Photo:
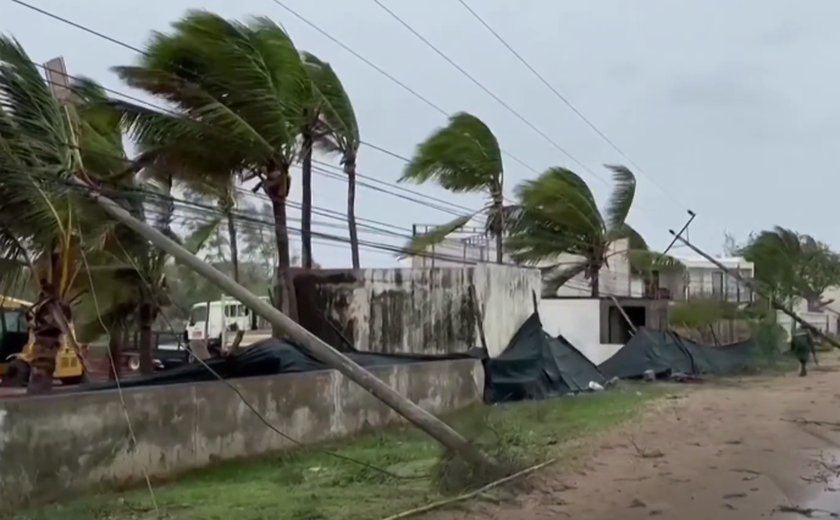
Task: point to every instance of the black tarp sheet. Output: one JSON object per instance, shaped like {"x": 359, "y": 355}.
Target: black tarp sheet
{"x": 537, "y": 366}
{"x": 667, "y": 353}
{"x": 265, "y": 358}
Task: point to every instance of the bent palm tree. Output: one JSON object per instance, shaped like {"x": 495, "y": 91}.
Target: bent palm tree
{"x": 239, "y": 92}
{"x": 557, "y": 215}
{"x": 464, "y": 156}
{"x": 44, "y": 224}
{"x": 339, "y": 133}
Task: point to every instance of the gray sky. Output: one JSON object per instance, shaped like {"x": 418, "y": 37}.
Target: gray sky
{"x": 729, "y": 106}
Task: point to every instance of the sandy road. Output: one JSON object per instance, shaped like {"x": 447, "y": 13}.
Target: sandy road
{"x": 747, "y": 449}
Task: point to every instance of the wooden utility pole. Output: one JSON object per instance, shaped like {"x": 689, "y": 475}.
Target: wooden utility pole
{"x": 424, "y": 420}
{"x": 755, "y": 289}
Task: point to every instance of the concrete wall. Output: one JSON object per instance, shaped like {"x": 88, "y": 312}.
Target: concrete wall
{"x": 425, "y": 311}
{"x": 54, "y": 446}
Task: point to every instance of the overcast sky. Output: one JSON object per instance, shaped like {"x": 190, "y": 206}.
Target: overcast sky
{"x": 730, "y": 107}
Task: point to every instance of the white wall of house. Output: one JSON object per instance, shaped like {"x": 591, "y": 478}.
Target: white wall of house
{"x": 825, "y": 320}
{"x": 579, "y": 321}
{"x": 614, "y": 278}
{"x": 703, "y": 279}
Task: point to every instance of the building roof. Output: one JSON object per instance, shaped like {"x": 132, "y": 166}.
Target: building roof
{"x": 732, "y": 262}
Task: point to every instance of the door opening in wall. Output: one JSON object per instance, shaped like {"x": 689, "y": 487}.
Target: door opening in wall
{"x": 619, "y": 331}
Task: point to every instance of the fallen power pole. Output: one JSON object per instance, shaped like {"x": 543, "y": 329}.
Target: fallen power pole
{"x": 773, "y": 302}
{"x": 424, "y": 420}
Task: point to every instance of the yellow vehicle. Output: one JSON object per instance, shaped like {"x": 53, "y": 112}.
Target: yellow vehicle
{"x": 16, "y": 342}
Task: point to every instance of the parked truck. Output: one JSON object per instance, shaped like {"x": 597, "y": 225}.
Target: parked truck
{"x": 219, "y": 323}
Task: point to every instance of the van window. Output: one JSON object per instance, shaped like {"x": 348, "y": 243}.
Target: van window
{"x": 14, "y": 321}
{"x": 230, "y": 311}
{"x": 198, "y": 314}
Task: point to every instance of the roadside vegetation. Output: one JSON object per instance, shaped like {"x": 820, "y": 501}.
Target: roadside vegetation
{"x": 310, "y": 484}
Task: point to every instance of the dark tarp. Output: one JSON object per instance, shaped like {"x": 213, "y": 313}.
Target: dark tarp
{"x": 536, "y": 366}
{"x": 668, "y": 353}
{"x": 264, "y": 358}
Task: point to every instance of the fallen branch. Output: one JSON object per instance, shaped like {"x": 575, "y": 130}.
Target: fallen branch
{"x": 806, "y": 511}
{"x": 471, "y": 494}
{"x": 655, "y": 454}
{"x": 815, "y": 423}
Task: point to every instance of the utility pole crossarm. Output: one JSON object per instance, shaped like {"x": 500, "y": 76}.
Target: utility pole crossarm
{"x": 755, "y": 289}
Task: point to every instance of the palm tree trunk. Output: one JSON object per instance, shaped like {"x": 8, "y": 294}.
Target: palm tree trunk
{"x": 595, "y": 280}
{"x": 350, "y": 171}
{"x": 46, "y": 337}
{"x": 499, "y": 222}
{"x": 306, "y": 203}
{"x": 147, "y": 317}
{"x": 234, "y": 247}
{"x": 115, "y": 347}
{"x": 277, "y": 189}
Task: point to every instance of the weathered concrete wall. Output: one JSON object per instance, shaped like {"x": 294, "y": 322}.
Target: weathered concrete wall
{"x": 54, "y": 446}
{"x": 425, "y": 311}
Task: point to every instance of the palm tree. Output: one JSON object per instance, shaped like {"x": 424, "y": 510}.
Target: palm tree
{"x": 557, "y": 215}
{"x": 793, "y": 265}
{"x": 464, "y": 156}
{"x": 45, "y": 223}
{"x": 131, "y": 273}
{"x": 339, "y": 133}
{"x": 239, "y": 91}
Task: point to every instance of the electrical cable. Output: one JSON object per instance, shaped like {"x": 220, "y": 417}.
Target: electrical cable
{"x": 488, "y": 91}
{"x": 566, "y": 101}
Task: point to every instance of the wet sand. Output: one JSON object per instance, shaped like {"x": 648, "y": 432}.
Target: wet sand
{"x": 748, "y": 449}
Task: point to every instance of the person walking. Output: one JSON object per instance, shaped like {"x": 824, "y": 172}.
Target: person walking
{"x": 802, "y": 346}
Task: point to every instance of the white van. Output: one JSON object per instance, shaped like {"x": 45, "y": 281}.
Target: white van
{"x": 218, "y": 321}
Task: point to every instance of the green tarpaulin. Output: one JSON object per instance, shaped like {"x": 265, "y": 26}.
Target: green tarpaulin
{"x": 667, "y": 353}
{"x": 537, "y": 366}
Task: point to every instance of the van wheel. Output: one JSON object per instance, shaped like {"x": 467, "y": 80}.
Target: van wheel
{"x": 17, "y": 374}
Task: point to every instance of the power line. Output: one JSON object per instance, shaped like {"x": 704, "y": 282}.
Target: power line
{"x": 487, "y": 90}
{"x": 96, "y": 33}
{"x": 565, "y": 100}
{"x": 171, "y": 112}
{"x": 390, "y": 77}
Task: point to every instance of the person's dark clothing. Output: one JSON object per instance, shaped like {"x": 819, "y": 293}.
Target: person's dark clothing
{"x": 802, "y": 346}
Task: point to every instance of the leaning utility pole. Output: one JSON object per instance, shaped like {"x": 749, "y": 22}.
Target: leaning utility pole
{"x": 424, "y": 420}
{"x": 773, "y": 302}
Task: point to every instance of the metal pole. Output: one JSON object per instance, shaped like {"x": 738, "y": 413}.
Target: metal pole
{"x": 773, "y": 302}
{"x": 684, "y": 229}
{"x": 424, "y": 420}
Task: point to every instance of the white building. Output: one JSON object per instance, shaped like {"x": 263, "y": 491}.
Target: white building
{"x": 703, "y": 279}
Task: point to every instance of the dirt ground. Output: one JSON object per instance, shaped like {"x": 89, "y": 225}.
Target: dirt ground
{"x": 747, "y": 449}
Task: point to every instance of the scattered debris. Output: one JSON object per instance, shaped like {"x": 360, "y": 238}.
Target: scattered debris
{"x": 636, "y": 503}
{"x": 646, "y": 454}
{"x": 751, "y": 474}
{"x": 649, "y": 376}
{"x": 807, "y": 512}
{"x": 679, "y": 377}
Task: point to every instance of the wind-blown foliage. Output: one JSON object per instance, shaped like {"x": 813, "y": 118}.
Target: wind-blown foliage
{"x": 557, "y": 215}
{"x": 464, "y": 156}
{"x": 338, "y": 132}
{"x": 45, "y": 222}
{"x": 792, "y": 265}
{"x": 239, "y": 92}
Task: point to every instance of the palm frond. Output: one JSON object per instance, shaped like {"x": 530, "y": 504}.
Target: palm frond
{"x": 337, "y": 113}
{"x": 622, "y": 196}
{"x": 463, "y": 156}
{"x": 558, "y": 275}
{"x": 421, "y": 243}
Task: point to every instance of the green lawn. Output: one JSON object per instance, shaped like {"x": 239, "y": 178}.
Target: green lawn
{"x": 310, "y": 484}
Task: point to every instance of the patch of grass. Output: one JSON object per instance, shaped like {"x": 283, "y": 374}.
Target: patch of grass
{"x": 312, "y": 485}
